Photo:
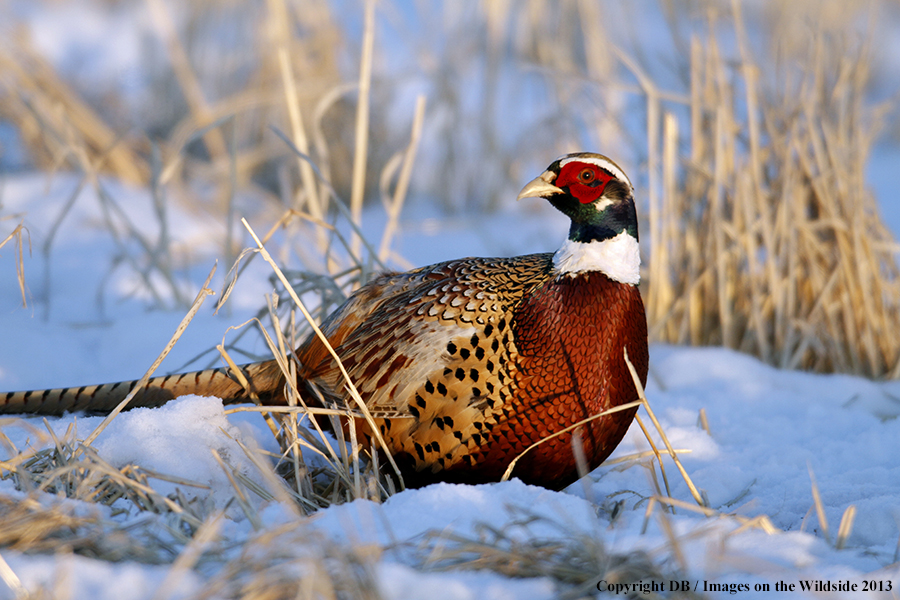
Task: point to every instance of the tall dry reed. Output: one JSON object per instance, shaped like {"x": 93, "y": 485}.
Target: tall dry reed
{"x": 765, "y": 237}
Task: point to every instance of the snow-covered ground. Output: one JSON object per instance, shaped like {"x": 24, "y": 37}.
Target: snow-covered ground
{"x": 768, "y": 430}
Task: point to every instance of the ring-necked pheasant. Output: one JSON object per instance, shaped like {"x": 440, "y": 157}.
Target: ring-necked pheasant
{"x": 465, "y": 364}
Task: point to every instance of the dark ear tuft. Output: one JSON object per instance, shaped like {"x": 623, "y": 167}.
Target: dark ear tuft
{"x": 617, "y": 190}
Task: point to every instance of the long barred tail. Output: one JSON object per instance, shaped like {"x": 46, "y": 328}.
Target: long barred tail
{"x": 265, "y": 380}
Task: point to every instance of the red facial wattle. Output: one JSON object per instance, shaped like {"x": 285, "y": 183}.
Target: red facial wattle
{"x": 584, "y": 181}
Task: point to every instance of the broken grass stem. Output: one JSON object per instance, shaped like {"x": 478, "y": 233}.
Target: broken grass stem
{"x": 662, "y": 434}
{"x": 615, "y": 409}
{"x": 351, "y": 388}
{"x": 198, "y": 301}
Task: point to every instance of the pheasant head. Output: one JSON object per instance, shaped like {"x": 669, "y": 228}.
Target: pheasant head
{"x": 598, "y": 198}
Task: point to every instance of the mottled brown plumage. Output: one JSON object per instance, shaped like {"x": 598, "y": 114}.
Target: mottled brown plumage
{"x": 477, "y": 359}
{"x": 465, "y": 364}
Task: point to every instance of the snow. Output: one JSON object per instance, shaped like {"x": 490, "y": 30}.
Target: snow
{"x": 147, "y": 438}
{"x": 768, "y": 429}
{"x": 399, "y": 581}
{"x": 74, "y": 576}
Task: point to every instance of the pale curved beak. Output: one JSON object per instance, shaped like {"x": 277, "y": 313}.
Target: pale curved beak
{"x": 540, "y": 187}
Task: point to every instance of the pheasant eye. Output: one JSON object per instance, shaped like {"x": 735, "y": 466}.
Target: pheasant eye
{"x": 586, "y": 176}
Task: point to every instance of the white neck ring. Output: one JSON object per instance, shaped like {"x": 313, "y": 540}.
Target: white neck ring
{"x": 619, "y": 258}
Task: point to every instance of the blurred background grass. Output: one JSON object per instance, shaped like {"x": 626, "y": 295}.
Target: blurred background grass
{"x": 746, "y": 127}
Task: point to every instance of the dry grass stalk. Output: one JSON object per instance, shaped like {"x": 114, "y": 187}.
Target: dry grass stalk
{"x": 574, "y": 426}
{"x": 60, "y": 129}
{"x": 76, "y": 471}
{"x": 759, "y": 522}
{"x": 189, "y": 556}
{"x": 198, "y": 302}
{"x": 279, "y": 18}
{"x": 662, "y": 434}
{"x": 847, "y": 519}
{"x": 846, "y": 527}
{"x": 12, "y": 580}
{"x": 42, "y": 523}
{"x": 351, "y": 388}
{"x": 17, "y": 234}
{"x": 655, "y": 451}
{"x": 187, "y": 78}
{"x": 394, "y": 205}
{"x": 361, "y": 137}
{"x": 338, "y": 480}
{"x": 294, "y": 562}
{"x": 574, "y": 560}
{"x": 770, "y": 242}
{"x": 41, "y": 526}
{"x": 54, "y": 122}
